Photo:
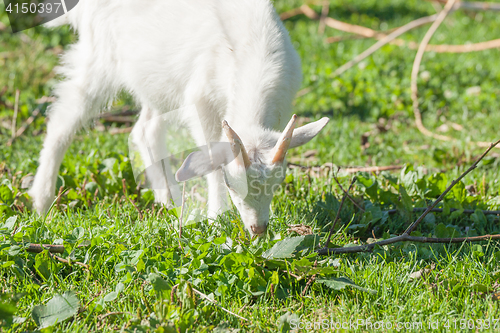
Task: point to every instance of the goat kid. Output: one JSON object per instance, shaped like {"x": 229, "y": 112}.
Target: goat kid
{"x": 232, "y": 60}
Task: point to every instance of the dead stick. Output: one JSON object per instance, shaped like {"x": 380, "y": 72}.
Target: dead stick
{"x": 290, "y": 13}
{"x": 65, "y": 261}
{"x": 217, "y": 304}
{"x": 324, "y": 16}
{"x": 440, "y": 210}
{"x": 416, "y": 66}
{"x": 38, "y": 248}
{"x": 407, "y": 27}
{"x": 404, "y": 238}
{"x": 311, "y": 280}
{"x": 346, "y": 193}
{"x": 104, "y": 316}
{"x": 339, "y": 25}
{"x": 453, "y": 183}
{"x": 130, "y": 200}
{"x": 474, "y": 5}
{"x": 414, "y": 75}
{"x": 59, "y": 195}
{"x": 23, "y": 128}
{"x": 182, "y": 211}
{"x": 338, "y": 212}
{"x": 438, "y": 48}
{"x": 492, "y": 44}
{"x": 14, "y": 118}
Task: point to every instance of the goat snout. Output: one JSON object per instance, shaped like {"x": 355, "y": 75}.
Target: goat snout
{"x": 258, "y": 229}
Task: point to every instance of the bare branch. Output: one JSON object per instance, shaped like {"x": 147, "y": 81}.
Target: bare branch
{"x": 182, "y": 211}
{"x": 416, "y": 66}
{"x": 473, "y": 5}
{"x": 65, "y": 261}
{"x": 217, "y": 304}
{"x": 291, "y": 13}
{"x": 403, "y": 238}
{"x": 339, "y": 25}
{"x": 347, "y": 194}
{"x": 124, "y": 184}
{"x": 453, "y": 183}
{"x": 37, "y": 248}
{"x": 393, "y": 35}
{"x": 440, "y": 210}
{"x": 338, "y": 212}
{"x": 324, "y": 16}
{"x": 14, "y": 117}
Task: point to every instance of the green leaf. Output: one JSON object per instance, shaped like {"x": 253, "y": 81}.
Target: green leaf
{"x": 58, "y": 309}
{"x": 220, "y": 240}
{"x": 370, "y": 186}
{"x": 442, "y": 231}
{"x": 286, "y": 247}
{"x": 10, "y": 223}
{"x": 478, "y": 287}
{"x": 459, "y": 192}
{"x": 342, "y": 282}
{"x": 111, "y": 296}
{"x": 159, "y": 284}
{"x": 6, "y": 195}
{"x": 78, "y": 232}
{"x": 405, "y": 199}
{"x": 44, "y": 265}
{"x": 477, "y": 250}
{"x": 7, "y": 310}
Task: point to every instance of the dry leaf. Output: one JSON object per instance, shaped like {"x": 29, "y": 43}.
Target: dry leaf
{"x": 301, "y": 229}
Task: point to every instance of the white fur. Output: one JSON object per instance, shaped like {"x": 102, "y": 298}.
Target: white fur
{"x": 233, "y": 60}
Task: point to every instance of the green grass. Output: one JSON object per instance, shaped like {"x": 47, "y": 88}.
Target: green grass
{"x": 134, "y": 263}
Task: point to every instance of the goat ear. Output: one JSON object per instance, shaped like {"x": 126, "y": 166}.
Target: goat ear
{"x": 304, "y": 134}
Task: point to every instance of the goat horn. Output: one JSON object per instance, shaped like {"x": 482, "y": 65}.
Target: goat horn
{"x": 236, "y": 144}
{"x": 281, "y": 147}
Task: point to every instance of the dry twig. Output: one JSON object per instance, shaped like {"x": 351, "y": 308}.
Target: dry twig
{"x": 453, "y": 183}
{"x": 23, "y": 128}
{"x": 324, "y": 16}
{"x": 473, "y": 5}
{"x": 405, "y": 237}
{"x": 65, "y": 261}
{"x": 14, "y": 117}
{"x": 290, "y": 13}
{"x": 217, "y": 304}
{"x": 347, "y": 194}
{"x": 393, "y": 35}
{"x": 414, "y": 75}
{"x": 440, "y": 210}
{"x": 182, "y": 211}
{"x": 124, "y": 184}
{"x": 338, "y": 211}
{"x": 416, "y": 66}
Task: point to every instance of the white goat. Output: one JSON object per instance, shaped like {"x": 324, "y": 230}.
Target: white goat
{"x": 232, "y": 59}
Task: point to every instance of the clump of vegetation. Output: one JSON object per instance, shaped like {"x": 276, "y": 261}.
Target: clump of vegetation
{"x": 119, "y": 262}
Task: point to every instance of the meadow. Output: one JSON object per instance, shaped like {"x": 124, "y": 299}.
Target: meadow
{"x": 125, "y": 267}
